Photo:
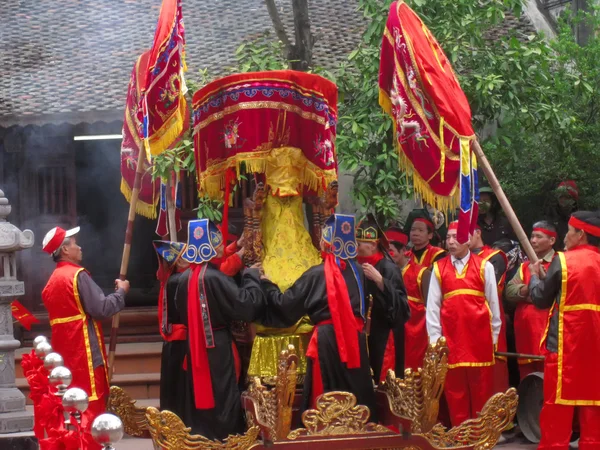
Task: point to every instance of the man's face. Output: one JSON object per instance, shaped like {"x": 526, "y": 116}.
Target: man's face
{"x": 366, "y": 248}
{"x": 182, "y": 264}
{"x": 398, "y": 254}
{"x": 485, "y": 203}
{"x": 220, "y": 251}
{"x": 566, "y": 203}
{"x": 541, "y": 242}
{"x": 72, "y": 251}
{"x": 475, "y": 241}
{"x": 456, "y": 249}
{"x": 573, "y": 238}
{"x": 420, "y": 235}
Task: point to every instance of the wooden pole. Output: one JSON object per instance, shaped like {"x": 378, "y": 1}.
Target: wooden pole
{"x": 520, "y": 355}
{"x": 172, "y": 223}
{"x": 112, "y": 347}
{"x": 508, "y": 210}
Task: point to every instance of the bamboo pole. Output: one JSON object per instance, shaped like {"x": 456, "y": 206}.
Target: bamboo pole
{"x": 520, "y": 355}
{"x": 171, "y": 222}
{"x": 508, "y": 210}
{"x": 112, "y": 346}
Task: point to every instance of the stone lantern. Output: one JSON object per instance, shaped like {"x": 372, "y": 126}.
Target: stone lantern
{"x": 13, "y": 416}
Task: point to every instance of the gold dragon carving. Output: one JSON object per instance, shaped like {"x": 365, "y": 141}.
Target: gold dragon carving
{"x": 416, "y": 397}
{"x": 133, "y": 417}
{"x": 337, "y": 414}
{"x": 170, "y": 433}
{"x": 483, "y": 432}
{"x": 272, "y": 408}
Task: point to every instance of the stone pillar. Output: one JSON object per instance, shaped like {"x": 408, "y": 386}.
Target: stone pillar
{"x": 13, "y": 416}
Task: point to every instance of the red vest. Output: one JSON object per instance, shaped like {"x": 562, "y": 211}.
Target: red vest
{"x": 69, "y": 324}
{"x": 465, "y": 315}
{"x": 487, "y": 253}
{"x": 427, "y": 257}
{"x": 578, "y": 325}
{"x": 530, "y": 322}
{"x": 415, "y": 330}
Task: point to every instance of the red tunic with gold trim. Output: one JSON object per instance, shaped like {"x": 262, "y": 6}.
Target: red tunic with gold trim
{"x": 578, "y": 324}
{"x": 465, "y": 314}
{"x": 530, "y": 322}
{"x": 428, "y": 256}
{"x": 415, "y": 330}
{"x": 70, "y": 328}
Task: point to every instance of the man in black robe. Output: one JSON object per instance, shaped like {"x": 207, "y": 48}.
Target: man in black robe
{"x": 173, "y": 331}
{"x": 209, "y": 301}
{"x": 390, "y": 309}
{"x": 332, "y": 295}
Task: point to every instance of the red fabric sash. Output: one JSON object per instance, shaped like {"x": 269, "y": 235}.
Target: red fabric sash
{"x": 203, "y": 392}
{"x": 341, "y": 313}
{"x": 373, "y": 259}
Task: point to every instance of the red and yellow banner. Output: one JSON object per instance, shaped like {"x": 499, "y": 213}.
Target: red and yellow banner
{"x": 163, "y": 106}
{"x": 281, "y": 124}
{"x": 132, "y": 145}
{"x": 431, "y": 114}
{"x": 23, "y": 315}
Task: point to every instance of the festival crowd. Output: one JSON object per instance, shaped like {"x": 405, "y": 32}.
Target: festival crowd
{"x": 377, "y": 300}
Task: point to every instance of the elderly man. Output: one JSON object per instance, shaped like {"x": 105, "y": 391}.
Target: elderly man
{"x": 462, "y": 293}
{"x": 571, "y": 344}
{"x": 76, "y": 305}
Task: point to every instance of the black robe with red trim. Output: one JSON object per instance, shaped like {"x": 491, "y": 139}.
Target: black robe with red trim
{"x": 390, "y": 312}
{"x": 308, "y": 296}
{"x": 227, "y": 303}
{"x": 172, "y": 375}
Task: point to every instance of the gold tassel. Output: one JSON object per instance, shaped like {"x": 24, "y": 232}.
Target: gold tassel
{"x": 141, "y": 208}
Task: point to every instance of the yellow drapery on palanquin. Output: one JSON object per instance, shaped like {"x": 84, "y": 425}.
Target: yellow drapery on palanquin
{"x": 288, "y": 253}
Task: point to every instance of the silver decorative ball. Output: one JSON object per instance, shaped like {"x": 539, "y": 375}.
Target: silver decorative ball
{"x": 43, "y": 349}
{"x": 107, "y": 429}
{"x": 53, "y": 360}
{"x": 60, "y": 377}
{"x": 39, "y": 339}
{"x": 75, "y": 400}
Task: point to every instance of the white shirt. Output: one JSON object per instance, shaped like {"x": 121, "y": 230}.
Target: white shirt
{"x": 434, "y": 300}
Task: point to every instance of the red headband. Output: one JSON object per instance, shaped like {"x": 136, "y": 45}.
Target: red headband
{"x": 587, "y": 227}
{"x": 453, "y": 226}
{"x": 397, "y": 236}
{"x": 546, "y": 232}
{"x": 429, "y": 223}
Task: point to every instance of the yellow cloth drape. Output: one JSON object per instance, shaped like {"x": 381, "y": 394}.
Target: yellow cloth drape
{"x": 288, "y": 253}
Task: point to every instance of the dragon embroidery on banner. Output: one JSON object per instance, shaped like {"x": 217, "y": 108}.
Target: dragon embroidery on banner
{"x": 404, "y": 125}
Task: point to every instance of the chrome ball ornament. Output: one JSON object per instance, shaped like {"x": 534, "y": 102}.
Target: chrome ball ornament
{"x": 75, "y": 400}
{"x": 107, "y": 429}
{"x": 43, "y": 349}
{"x": 53, "y": 360}
{"x": 38, "y": 340}
{"x": 60, "y": 377}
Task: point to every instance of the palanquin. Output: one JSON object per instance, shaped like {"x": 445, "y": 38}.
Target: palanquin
{"x": 407, "y": 407}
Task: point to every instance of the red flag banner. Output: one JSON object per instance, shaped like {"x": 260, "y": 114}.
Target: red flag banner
{"x": 280, "y": 123}
{"x": 163, "y": 93}
{"x": 419, "y": 90}
{"x": 23, "y": 315}
{"x": 132, "y": 145}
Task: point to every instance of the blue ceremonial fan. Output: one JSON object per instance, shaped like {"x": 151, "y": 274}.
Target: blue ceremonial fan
{"x": 203, "y": 240}
{"x": 169, "y": 251}
{"x": 339, "y": 232}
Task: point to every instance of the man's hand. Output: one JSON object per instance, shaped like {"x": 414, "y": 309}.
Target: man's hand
{"x": 535, "y": 269}
{"x": 122, "y": 284}
{"x": 240, "y": 241}
{"x": 373, "y": 274}
{"x": 241, "y": 252}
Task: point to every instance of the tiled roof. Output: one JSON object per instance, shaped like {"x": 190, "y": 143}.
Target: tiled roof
{"x": 73, "y": 57}
{"x": 70, "y": 60}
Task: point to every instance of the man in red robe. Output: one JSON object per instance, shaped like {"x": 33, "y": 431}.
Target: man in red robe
{"x": 416, "y": 282}
{"x": 421, "y": 234}
{"x": 461, "y": 302}
{"x": 76, "y": 306}
{"x": 571, "y": 344}
{"x": 530, "y": 322}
